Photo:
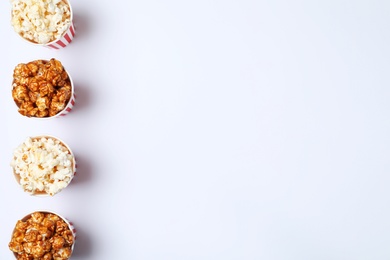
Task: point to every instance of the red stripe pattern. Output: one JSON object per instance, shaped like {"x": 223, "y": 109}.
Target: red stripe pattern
{"x": 64, "y": 40}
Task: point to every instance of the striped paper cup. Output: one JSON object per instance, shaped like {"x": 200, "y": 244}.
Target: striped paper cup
{"x": 62, "y": 41}
{"x": 43, "y": 234}
{"x": 67, "y": 108}
{"x": 46, "y": 185}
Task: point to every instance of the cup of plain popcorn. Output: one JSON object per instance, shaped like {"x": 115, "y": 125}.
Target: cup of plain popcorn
{"x": 43, "y": 89}
{"x": 43, "y": 165}
{"x": 43, "y": 235}
{"x": 48, "y": 23}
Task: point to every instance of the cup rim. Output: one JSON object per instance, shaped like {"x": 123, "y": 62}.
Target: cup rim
{"x": 59, "y": 37}
{"x": 68, "y": 223}
{"x": 67, "y": 104}
{"x": 43, "y": 193}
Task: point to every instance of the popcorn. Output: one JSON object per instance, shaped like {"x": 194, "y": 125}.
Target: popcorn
{"x": 41, "y": 21}
{"x": 41, "y": 88}
{"x": 43, "y": 165}
{"x": 42, "y": 235}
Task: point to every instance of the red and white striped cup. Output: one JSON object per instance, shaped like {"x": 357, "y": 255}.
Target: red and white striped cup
{"x": 65, "y": 39}
{"x": 74, "y": 167}
{"x": 45, "y": 212}
{"x": 68, "y": 107}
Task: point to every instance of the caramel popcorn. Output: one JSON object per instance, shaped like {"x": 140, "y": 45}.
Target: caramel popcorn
{"x": 42, "y": 235}
{"x": 43, "y": 165}
{"x": 41, "y": 21}
{"x": 41, "y": 88}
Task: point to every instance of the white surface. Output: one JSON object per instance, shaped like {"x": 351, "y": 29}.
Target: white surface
{"x": 217, "y": 130}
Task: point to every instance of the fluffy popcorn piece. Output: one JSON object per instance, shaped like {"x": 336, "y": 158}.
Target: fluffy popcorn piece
{"x": 43, "y": 165}
{"x": 40, "y": 21}
{"x": 35, "y": 243}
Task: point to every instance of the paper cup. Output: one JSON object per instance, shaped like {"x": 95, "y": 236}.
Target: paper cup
{"x": 51, "y": 234}
{"x": 68, "y": 107}
{"x": 63, "y": 40}
{"x": 20, "y": 164}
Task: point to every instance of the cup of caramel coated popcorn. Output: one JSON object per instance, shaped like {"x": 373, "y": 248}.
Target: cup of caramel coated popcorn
{"x": 42, "y": 89}
{"x": 47, "y": 23}
{"x": 43, "y": 235}
{"x": 43, "y": 165}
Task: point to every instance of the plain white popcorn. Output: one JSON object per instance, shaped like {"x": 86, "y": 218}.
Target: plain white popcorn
{"x": 43, "y": 164}
{"x": 41, "y": 21}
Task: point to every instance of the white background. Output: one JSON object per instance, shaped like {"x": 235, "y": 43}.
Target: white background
{"x": 216, "y": 129}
